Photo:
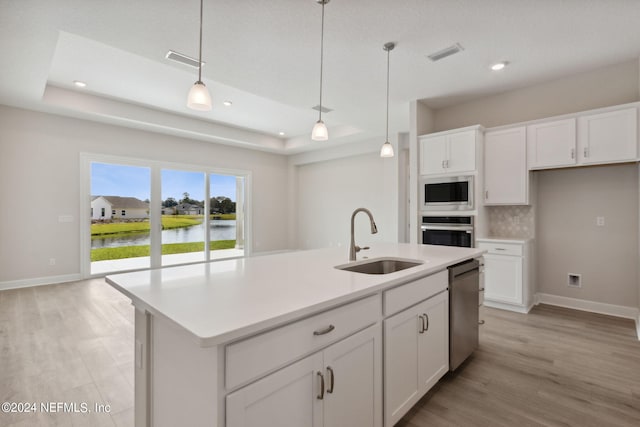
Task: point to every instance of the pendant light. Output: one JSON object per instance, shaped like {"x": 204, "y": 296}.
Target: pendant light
{"x": 387, "y": 148}
{"x": 199, "y": 98}
{"x": 320, "y": 132}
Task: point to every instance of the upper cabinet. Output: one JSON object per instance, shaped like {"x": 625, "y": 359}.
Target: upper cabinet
{"x": 551, "y": 144}
{"x": 608, "y": 137}
{"x": 506, "y": 177}
{"x": 589, "y": 139}
{"x": 448, "y": 152}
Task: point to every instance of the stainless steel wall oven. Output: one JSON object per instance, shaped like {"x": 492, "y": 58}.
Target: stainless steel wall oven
{"x": 448, "y": 231}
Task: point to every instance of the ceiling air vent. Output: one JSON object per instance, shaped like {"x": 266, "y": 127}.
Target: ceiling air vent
{"x": 324, "y": 109}
{"x": 441, "y": 54}
{"x": 183, "y": 59}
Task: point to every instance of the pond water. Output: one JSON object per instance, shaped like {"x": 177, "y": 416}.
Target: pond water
{"x": 220, "y": 230}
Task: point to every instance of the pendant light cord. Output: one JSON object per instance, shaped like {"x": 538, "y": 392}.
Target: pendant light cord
{"x": 321, "y": 57}
{"x": 388, "y": 52}
{"x": 200, "y": 54}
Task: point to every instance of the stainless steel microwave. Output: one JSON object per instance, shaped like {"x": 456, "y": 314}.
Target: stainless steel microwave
{"x": 453, "y": 193}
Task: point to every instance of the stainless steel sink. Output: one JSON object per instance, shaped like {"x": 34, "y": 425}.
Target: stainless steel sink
{"x": 380, "y": 265}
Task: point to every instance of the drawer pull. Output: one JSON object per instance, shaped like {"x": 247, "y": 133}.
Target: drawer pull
{"x": 321, "y": 394}
{"x": 324, "y": 331}
{"x": 500, "y": 249}
{"x": 330, "y": 390}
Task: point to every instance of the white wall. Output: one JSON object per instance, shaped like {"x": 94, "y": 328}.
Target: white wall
{"x": 568, "y": 240}
{"x": 39, "y": 180}
{"x": 330, "y": 190}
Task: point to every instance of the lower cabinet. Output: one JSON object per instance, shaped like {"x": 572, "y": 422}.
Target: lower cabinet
{"x": 416, "y": 354}
{"x": 338, "y": 386}
{"x": 507, "y": 274}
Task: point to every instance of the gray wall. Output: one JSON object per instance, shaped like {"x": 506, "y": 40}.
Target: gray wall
{"x": 569, "y": 200}
{"x": 569, "y": 241}
{"x": 40, "y": 180}
{"x": 617, "y": 84}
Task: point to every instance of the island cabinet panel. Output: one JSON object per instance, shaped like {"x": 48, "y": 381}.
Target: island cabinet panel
{"x": 340, "y": 386}
{"x": 256, "y": 356}
{"x": 401, "y": 297}
{"x": 416, "y": 354}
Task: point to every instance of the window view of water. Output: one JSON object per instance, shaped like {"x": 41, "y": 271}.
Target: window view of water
{"x": 220, "y": 230}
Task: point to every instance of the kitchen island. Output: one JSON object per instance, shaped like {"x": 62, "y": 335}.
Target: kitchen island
{"x": 242, "y": 342}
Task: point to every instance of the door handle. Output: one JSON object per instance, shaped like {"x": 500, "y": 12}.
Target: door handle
{"x": 421, "y": 330}
{"x": 330, "y": 390}
{"x": 426, "y": 317}
{"x": 321, "y": 394}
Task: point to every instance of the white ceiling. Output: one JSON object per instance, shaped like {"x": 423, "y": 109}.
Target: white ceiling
{"x": 264, "y": 56}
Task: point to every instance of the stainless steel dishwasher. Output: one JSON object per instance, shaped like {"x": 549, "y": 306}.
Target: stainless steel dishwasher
{"x": 463, "y": 311}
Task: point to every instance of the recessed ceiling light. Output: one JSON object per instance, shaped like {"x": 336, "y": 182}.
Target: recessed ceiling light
{"x": 281, "y": 133}
{"x": 499, "y": 66}
{"x": 227, "y": 103}
{"x": 79, "y": 83}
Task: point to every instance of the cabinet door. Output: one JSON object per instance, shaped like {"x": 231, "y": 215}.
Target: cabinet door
{"x": 433, "y": 153}
{"x": 461, "y": 152}
{"x": 608, "y": 137}
{"x": 414, "y": 359}
{"x": 552, "y": 144}
{"x": 286, "y": 398}
{"x": 433, "y": 347}
{"x": 506, "y": 175}
{"x": 503, "y": 278}
{"x": 353, "y": 380}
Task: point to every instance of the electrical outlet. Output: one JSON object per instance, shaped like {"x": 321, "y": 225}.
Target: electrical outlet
{"x": 52, "y": 261}
{"x": 600, "y": 221}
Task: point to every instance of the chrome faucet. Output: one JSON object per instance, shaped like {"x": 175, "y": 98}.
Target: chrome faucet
{"x": 353, "y": 248}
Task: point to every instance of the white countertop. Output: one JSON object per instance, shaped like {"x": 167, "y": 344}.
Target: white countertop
{"x": 223, "y": 300}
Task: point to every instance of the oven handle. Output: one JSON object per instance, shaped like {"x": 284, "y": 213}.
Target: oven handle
{"x": 447, "y": 227}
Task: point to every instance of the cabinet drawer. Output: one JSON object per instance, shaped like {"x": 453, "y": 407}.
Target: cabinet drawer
{"x": 411, "y": 293}
{"x": 253, "y": 357}
{"x": 496, "y": 248}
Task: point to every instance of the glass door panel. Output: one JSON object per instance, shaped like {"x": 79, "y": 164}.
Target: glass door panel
{"x": 226, "y": 215}
{"x": 119, "y": 217}
{"x": 183, "y": 217}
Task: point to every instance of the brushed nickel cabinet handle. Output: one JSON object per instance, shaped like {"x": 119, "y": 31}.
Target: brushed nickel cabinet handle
{"x": 426, "y": 317}
{"x": 331, "y": 381}
{"x": 486, "y": 195}
{"x": 421, "y": 331}
{"x": 443, "y": 166}
{"x": 573, "y": 153}
{"x": 586, "y": 151}
{"x": 324, "y": 331}
{"x": 321, "y": 394}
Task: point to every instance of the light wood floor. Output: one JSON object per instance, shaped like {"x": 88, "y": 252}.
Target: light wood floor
{"x": 68, "y": 343}
{"x": 553, "y": 367}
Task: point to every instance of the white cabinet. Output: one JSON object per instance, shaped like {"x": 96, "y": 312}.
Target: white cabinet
{"x": 338, "y": 386}
{"x": 507, "y": 283}
{"x": 448, "y": 152}
{"x": 506, "y": 176}
{"x": 552, "y": 144}
{"x": 416, "y": 354}
{"x": 608, "y": 137}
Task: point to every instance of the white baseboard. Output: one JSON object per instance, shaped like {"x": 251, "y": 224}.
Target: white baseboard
{"x": 50, "y": 280}
{"x": 592, "y": 306}
{"x": 505, "y": 306}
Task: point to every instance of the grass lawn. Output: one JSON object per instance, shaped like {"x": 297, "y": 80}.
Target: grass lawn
{"x": 103, "y": 254}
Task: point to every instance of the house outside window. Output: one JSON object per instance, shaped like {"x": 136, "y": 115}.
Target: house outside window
{"x": 123, "y": 212}
{"x": 113, "y": 211}
{"x": 102, "y": 212}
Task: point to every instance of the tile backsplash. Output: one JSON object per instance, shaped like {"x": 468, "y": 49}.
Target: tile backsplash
{"x": 511, "y": 221}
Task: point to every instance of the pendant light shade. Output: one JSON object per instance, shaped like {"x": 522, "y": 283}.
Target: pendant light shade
{"x": 199, "y": 98}
{"x": 320, "y": 132}
{"x": 387, "y": 148}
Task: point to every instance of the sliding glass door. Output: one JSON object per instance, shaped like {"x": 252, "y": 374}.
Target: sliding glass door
{"x": 150, "y": 214}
